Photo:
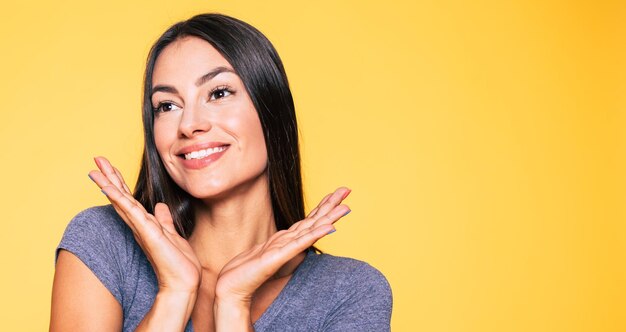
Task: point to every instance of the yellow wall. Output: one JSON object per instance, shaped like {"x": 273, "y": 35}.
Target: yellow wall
{"x": 484, "y": 141}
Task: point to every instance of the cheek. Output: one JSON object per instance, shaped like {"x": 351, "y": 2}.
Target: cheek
{"x": 260, "y": 148}
{"x": 258, "y": 152}
{"x": 162, "y": 139}
{"x": 250, "y": 133}
{"x": 257, "y": 140}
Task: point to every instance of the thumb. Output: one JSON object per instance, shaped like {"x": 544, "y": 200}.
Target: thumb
{"x": 164, "y": 217}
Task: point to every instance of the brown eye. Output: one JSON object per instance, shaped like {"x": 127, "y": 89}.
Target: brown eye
{"x": 165, "y": 107}
{"x": 220, "y": 93}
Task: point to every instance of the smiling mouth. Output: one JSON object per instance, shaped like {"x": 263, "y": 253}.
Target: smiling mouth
{"x": 200, "y": 154}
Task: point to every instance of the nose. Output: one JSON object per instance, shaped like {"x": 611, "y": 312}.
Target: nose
{"x": 194, "y": 120}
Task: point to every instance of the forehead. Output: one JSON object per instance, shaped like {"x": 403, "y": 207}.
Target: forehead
{"x": 186, "y": 59}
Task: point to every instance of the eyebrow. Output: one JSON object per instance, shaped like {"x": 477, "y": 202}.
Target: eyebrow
{"x": 203, "y": 79}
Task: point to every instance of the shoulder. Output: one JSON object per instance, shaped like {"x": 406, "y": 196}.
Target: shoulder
{"x": 96, "y": 231}
{"x": 97, "y": 224}
{"x": 103, "y": 242}
{"x": 357, "y": 296}
{"x": 97, "y": 218}
{"x": 349, "y": 280}
{"x": 344, "y": 272}
{"x": 100, "y": 239}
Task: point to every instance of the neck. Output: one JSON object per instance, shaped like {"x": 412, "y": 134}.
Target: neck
{"x": 232, "y": 223}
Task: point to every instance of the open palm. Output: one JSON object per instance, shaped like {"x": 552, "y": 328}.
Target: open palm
{"x": 245, "y": 273}
{"x": 175, "y": 264}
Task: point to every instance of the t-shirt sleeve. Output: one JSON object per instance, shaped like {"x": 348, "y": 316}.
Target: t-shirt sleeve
{"x": 364, "y": 305}
{"x": 98, "y": 237}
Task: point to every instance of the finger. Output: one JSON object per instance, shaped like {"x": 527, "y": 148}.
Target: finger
{"x": 164, "y": 217}
{"x": 136, "y": 216}
{"x": 329, "y": 219}
{"x": 119, "y": 175}
{"x": 335, "y": 199}
{"x": 102, "y": 181}
{"x": 306, "y": 239}
{"x": 109, "y": 192}
{"x": 276, "y": 253}
{"x": 126, "y": 219}
{"x": 327, "y": 204}
{"x": 144, "y": 226}
{"x": 312, "y": 213}
{"x": 332, "y": 216}
{"x": 276, "y": 236}
{"x": 107, "y": 169}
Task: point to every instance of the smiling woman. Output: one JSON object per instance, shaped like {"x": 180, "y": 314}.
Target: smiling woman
{"x": 215, "y": 236}
{"x": 199, "y": 121}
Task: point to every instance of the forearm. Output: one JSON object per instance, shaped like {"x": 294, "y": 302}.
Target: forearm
{"x": 232, "y": 316}
{"x": 170, "y": 312}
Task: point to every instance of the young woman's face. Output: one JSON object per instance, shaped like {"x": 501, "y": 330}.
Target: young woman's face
{"x": 206, "y": 128}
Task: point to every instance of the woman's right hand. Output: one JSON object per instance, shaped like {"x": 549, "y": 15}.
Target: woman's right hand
{"x": 175, "y": 264}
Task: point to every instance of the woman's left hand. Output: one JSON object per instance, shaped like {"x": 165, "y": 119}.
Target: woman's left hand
{"x": 245, "y": 273}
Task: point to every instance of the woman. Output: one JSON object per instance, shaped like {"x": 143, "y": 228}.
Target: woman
{"x": 215, "y": 236}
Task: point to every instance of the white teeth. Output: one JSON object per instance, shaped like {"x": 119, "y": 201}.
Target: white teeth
{"x": 204, "y": 153}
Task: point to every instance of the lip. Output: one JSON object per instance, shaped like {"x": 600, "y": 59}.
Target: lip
{"x": 202, "y": 162}
{"x": 199, "y": 146}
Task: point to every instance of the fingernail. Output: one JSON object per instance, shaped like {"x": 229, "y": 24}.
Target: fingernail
{"x": 346, "y": 194}
{"x": 345, "y": 214}
{"x": 104, "y": 192}
{"x": 89, "y": 175}
{"x": 331, "y": 232}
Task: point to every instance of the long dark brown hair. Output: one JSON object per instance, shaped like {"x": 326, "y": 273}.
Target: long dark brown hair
{"x": 258, "y": 65}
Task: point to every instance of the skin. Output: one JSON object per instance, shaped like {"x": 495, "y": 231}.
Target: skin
{"x": 236, "y": 262}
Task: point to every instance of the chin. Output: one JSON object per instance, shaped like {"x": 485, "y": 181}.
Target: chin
{"x": 215, "y": 189}
{"x": 203, "y": 190}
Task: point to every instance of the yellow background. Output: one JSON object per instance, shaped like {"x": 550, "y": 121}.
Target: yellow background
{"x": 484, "y": 141}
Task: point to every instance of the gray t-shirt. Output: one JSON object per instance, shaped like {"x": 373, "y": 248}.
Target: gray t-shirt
{"x": 325, "y": 293}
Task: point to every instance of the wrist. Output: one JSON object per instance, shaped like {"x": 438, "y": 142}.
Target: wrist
{"x": 177, "y": 299}
{"x": 232, "y": 314}
{"x": 170, "y": 311}
{"x": 234, "y": 305}
{"x": 169, "y": 295}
